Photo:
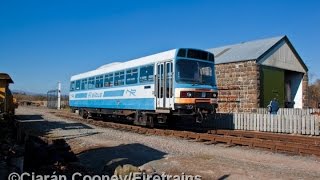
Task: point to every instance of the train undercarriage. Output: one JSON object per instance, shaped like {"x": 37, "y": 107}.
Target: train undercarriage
{"x": 198, "y": 113}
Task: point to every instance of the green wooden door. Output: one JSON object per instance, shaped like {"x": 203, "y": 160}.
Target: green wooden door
{"x": 272, "y": 85}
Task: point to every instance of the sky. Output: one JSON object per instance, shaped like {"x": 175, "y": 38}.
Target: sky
{"x": 44, "y": 42}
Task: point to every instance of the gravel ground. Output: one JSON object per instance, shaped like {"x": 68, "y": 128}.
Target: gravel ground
{"x": 101, "y": 149}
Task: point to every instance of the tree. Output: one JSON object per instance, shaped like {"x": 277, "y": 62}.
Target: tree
{"x": 314, "y": 94}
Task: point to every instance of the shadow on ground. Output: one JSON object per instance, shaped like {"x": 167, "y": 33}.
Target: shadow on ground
{"x": 36, "y": 125}
{"x": 105, "y": 160}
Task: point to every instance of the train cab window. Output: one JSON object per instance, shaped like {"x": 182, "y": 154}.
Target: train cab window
{"x": 84, "y": 84}
{"x": 78, "y": 84}
{"x": 119, "y": 78}
{"x": 99, "y": 81}
{"x": 146, "y": 74}
{"x": 91, "y": 83}
{"x": 181, "y": 53}
{"x": 211, "y": 57}
{"x": 72, "y": 86}
{"x": 108, "y": 80}
{"x": 132, "y": 76}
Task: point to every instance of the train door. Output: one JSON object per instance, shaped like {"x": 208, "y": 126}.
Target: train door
{"x": 164, "y": 85}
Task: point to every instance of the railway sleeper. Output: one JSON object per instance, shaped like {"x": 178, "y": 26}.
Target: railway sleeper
{"x": 309, "y": 151}
{"x": 207, "y": 137}
{"x": 179, "y": 134}
{"x": 270, "y": 136}
{"x": 264, "y": 145}
{"x": 286, "y": 149}
{"x": 193, "y": 136}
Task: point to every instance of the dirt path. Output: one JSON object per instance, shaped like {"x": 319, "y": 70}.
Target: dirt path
{"x": 101, "y": 149}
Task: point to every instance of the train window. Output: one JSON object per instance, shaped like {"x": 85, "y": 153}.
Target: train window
{"x": 197, "y": 54}
{"x": 84, "y": 84}
{"x": 99, "y": 81}
{"x": 91, "y": 83}
{"x": 146, "y": 74}
{"x": 181, "y": 53}
{"x": 132, "y": 76}
{"x": 119, "y": 78}
{"x": 211, "y": 57}
{"x": 72, "y": 86}
{"x": 78, "y": 84}
{"x": 108, "y": 80}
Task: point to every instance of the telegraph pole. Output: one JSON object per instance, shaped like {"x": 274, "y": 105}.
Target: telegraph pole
{"x": 59, "y": 95}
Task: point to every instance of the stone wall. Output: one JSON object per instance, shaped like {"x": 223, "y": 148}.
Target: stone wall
{"x": 239, "y": 86}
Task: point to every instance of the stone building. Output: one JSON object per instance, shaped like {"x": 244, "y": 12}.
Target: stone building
{"x": 250, "y": 74}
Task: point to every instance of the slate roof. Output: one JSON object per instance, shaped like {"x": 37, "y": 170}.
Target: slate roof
{"x": 245, "y": 51}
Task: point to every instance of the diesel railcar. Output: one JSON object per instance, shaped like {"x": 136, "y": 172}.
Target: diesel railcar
{"x": 149, "y": 90}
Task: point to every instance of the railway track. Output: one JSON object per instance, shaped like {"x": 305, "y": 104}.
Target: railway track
{"x": 292, "y": 144}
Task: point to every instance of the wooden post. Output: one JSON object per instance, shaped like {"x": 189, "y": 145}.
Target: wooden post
{"x": 295, "y": 124}
{"x": 312, "y": 124}
{"x": 287, "y": 124}
{"x": 258, "y": 122}
{"x": 279, "y": 123}
{"x": 317, "y": 125}
{"x": 291, "y": 123}
{"x": 303, "y": 125}
{"x": 283, "y": 122}
{"x": 308, "y": 122}
{"x": 265, "y": 122}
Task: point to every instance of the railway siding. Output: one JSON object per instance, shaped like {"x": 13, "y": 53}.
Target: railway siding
{"x": 275, "y": 142}
{"x": 193, "y": 153}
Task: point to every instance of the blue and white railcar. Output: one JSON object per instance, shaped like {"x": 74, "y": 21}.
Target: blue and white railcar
{"x": 149, "y": 89}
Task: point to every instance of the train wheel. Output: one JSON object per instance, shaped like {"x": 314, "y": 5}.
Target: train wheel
{"x": 84, "y": 114}
{"x": 150, "y": 121}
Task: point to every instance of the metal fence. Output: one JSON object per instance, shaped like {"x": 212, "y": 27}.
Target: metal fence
{"x": 52, "y": 99}
{"x": 280, "y": 123}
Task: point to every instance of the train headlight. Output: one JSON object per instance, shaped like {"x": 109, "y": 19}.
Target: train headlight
{"x": 186, "y": 94}
{"x": 215, "y": 95}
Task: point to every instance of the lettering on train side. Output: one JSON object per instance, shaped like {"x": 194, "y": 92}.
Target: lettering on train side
{"x": 95, "y": 94}
{"x": 131, "y": 92}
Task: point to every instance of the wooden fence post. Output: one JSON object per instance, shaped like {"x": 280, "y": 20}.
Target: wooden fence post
{"x": 308, "y": 121}
{"x": 303, "y": 126}
{"x": 317, "y": 125}
{"x": 295, "y": 124}
{"x": 291, "y": 123}
{"x": 312, "y": 125}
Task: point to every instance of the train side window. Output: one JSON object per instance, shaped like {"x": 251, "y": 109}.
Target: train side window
{"x": 108, "y": 80}
{"x": 78, "y": 84}
{"x": 72, "y": 86}
{"x": 119, "y": 78}
{"x": 91, "y": 83}
{"x": 132, "y": 76}
{"x": 146, "y": 74}
{"x": 99, "y": 81}
{"x": 84, "y": 84}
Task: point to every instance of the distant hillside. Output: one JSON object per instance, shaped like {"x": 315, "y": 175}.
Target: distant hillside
{"x": 22, "y": 96}
{"x": 30, "y": 96}
{"x": 27, "y": 93}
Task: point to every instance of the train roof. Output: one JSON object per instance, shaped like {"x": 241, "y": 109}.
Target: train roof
{"x": 116, "y": 66}
{"x": 5, "y": 76}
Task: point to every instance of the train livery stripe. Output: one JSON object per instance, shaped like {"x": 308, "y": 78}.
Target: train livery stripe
{"x": 113, "y": 93}
{"x": 81, "y": 95}
{"x": 137, "y": 103}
